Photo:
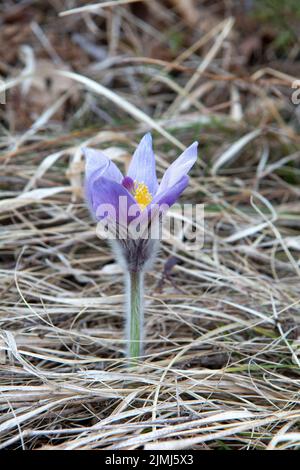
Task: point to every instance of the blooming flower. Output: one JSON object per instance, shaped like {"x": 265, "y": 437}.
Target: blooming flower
{"x": 105, "y": 184}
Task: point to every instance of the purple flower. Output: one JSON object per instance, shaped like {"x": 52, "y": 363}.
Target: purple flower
{"x": 138, "y": 192}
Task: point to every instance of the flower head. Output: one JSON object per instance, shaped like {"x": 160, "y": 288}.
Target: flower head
{"x": 138, "y": 192}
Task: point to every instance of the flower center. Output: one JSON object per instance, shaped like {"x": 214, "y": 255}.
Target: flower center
{"x": 142, "y": 195}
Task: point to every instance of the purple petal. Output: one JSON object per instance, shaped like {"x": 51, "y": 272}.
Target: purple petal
{"x": 97, "y": 163}
{"x": 171, "y": 194}
{"x": 128, "y": 183}
{"x": 179, "y": 168}
{"x": 142, "y": 165}
{"x": 163, "y": 201}
{"x": 105, "y": 191}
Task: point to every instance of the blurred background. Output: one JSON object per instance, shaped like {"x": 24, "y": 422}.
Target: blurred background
{"x": 232, "y": 59}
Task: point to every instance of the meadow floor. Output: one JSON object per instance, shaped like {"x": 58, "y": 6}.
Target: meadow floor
{"x": 222, "y": 351}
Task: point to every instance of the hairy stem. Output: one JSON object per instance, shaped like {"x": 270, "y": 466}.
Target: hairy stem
{"x": 135, "y": 315}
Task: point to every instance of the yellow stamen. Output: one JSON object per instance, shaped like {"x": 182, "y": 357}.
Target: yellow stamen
{"x": 142, "y": 195}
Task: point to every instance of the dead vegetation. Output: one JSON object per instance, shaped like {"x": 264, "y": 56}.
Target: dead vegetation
{"x": 221, "y": 369}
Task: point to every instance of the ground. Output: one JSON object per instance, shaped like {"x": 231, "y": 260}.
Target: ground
{"x": 221, "y": 363}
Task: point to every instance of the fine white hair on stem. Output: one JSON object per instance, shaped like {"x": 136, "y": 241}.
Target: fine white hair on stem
{"x": 139, "y": 298}
{"x": 135, "y": 257}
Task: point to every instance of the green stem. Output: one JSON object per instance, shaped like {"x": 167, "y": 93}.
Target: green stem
{"x": 135, "y": 315}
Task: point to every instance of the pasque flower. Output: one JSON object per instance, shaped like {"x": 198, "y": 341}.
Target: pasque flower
{"x": 125, "y": 200}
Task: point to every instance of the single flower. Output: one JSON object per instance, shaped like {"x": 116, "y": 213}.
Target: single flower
{"x": 105, "y": 184}
{"x": 132, "y": 200}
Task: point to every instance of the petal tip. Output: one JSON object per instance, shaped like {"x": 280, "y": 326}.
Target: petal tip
{"x": 193, "y": 150}
{"x": 194, "y": 145}
{"x": 148, "y": 136}
{"x": 146, "y": 139}
{"x": 84, "y": 151}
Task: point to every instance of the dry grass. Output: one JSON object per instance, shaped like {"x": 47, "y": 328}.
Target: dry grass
{"x": 221, "y": 369}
